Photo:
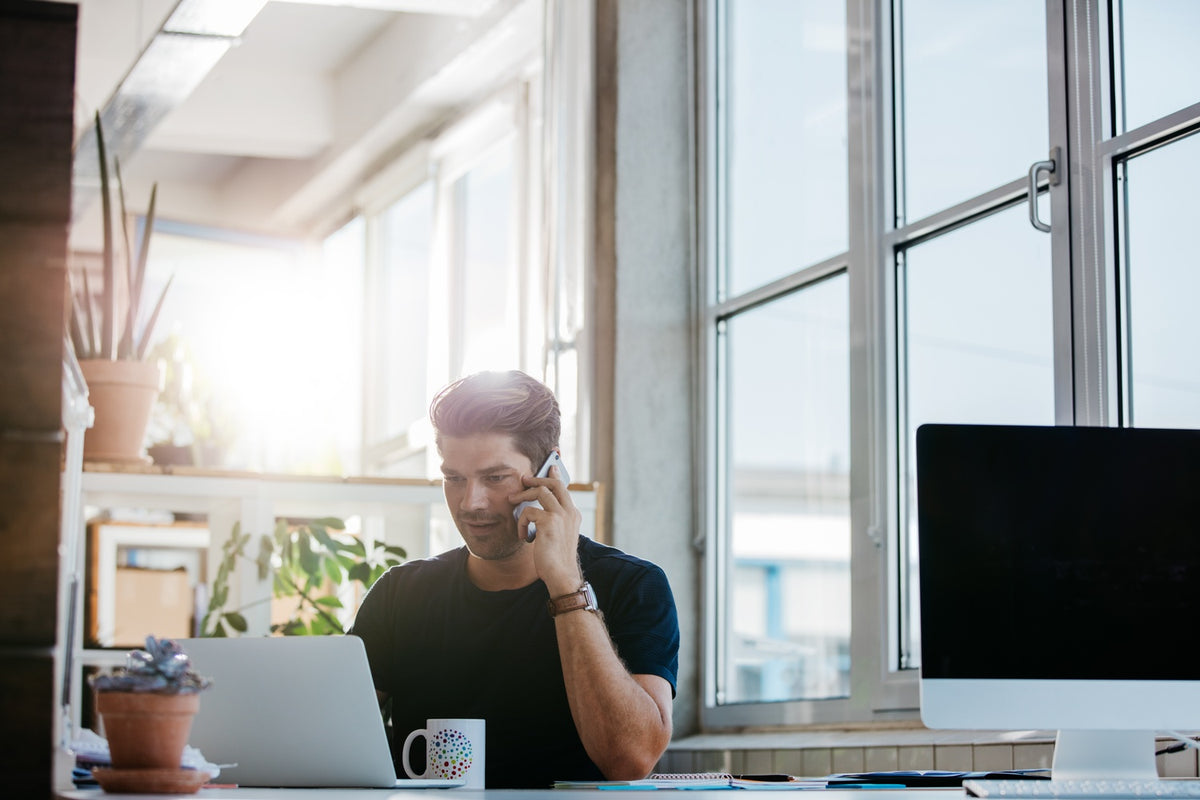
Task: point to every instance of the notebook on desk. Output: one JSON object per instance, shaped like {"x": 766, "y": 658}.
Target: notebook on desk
{"x": 296, "y": 711}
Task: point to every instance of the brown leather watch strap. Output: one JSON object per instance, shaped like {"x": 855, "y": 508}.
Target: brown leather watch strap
{"x": 582, "y": 599}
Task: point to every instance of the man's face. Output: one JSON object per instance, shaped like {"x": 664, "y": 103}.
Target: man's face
{"x": 480, "y": 472}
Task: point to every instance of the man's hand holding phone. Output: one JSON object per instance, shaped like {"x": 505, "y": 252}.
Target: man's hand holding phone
{"x": 553, "y": 460}
{"x": 556, "y": 539}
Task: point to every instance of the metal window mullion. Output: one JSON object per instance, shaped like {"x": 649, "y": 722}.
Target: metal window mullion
{"x": 1061, "y": 214}
{"x": 875, "y": 156}
{"x": 1119, "y": 257}
{"x": 1145, "y": 137}
{"x": 711, "y": 148}
{"x": 957, "y": 215}
{"x": 1081, "y": 124}
{"x": 374, "y": 311}
{"x": 778, "y": 288}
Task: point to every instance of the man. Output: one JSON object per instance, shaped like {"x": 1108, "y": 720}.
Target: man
{"x": 506, "y": 629}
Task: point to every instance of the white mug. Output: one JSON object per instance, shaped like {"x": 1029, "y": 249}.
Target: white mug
{"x": 454, "y": 749}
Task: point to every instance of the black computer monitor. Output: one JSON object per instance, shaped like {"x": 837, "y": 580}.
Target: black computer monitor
{"x": 1059, "y": 584}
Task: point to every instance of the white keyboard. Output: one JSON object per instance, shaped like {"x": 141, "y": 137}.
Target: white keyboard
{"x": 1082, "y": 788}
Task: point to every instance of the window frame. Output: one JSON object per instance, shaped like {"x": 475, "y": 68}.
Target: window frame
{"x": 1084, "y": 211}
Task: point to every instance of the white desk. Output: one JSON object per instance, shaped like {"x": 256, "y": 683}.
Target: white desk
{"x": 547, "y": 794}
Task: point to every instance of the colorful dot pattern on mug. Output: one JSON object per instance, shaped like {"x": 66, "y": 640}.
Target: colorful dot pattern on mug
{"x": 450, "y": 754}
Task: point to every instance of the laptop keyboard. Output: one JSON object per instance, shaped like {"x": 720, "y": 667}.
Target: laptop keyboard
{"x": 1083, "y": 788}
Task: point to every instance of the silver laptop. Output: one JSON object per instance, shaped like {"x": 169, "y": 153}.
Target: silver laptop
{"x": 292, "y": 711}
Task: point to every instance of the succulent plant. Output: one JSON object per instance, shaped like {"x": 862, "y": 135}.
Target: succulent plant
{"x": 162, "y": 668}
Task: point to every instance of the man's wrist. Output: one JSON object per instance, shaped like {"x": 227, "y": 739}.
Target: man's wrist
{"x": 565, "y": 581}
{"x": 582, "y": 599}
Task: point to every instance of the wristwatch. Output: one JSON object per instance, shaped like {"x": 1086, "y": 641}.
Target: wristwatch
{"x": 583, "y": 598}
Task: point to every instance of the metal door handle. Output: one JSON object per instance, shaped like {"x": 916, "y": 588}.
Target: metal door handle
{"x": 1050, "y": 167}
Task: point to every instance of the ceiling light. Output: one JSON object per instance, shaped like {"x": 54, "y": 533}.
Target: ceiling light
{"x": 192, "y": 40}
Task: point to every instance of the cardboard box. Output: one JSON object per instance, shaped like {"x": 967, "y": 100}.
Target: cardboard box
{"x": 151, "y": 601}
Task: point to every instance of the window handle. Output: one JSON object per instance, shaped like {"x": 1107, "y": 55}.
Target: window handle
{"x": 1050, "y": 167}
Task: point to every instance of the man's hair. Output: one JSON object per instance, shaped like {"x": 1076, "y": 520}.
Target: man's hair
{"x": 499, "y": 402}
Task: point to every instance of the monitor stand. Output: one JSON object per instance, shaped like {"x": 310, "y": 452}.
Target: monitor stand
{"x": 1105, "y": 755}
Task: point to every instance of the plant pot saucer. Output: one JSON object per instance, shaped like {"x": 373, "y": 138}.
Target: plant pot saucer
{"x": 118, "y": 459}
{"x": 150, "y": 781}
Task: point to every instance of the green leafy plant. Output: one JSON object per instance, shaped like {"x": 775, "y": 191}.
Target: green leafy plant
{"x": 162, "y": 668}
{"x": 106, "y": 328}
{"x": 309, "y": 562}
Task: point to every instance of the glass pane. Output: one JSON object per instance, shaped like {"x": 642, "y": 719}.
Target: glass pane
{"x": 1161, "y": 68}
{"x": 785, "y": 123}
{"x": 977, "y": 346}
{"x": 973, "y": 101}
{"x": 786, "y": 608}
{"x": 406, "y": 231}
{"x": 1163, "y": 282}
{"x": 488, "y": 289}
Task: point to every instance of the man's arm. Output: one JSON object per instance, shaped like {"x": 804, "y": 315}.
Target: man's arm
{"x": 623, "y": 720}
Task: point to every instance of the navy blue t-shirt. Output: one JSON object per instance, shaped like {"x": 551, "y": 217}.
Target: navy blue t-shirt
{"x": 442, "y": 647}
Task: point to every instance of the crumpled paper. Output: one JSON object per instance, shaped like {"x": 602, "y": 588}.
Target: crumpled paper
{"x": 91, "y": 750}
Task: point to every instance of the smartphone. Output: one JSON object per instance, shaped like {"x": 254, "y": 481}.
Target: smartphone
{"x": 552, "y": 460}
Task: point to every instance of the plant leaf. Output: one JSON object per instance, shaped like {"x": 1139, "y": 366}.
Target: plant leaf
{"x": 293, "y": 627}
{"x": 329, "y": 601}
{"x": 108, "y": 305}
{"x": 75, "y": 321}
{"x": 308, "y": 559}
{"x": 93, "y": 335}
{"x": 325, "y": 539}
{"x": 125, "y": 338}
{"x": 236, "y": 621}
{"x": 359, "y": 572}
{"x": 138, "y": 278}
{"x": 144, "y": 340}
{"x": 264, "y": 563}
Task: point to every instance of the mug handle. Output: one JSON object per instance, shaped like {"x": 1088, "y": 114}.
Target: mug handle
{"x": 404, "y": 753}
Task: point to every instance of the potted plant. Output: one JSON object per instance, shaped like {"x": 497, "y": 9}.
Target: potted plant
{"x": 147, "y": 708}
{"x": 110, "y": 348}
{"x": 309, "y": 564}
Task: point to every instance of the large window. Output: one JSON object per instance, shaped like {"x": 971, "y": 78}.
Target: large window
{"x": 451, "y": 239}
{"x": 441, "y": 232}
{"x": 918, "y": 211}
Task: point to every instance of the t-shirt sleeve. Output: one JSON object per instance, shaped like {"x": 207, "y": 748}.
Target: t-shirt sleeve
{"x": 374, "y": 624}
{"x": 643, "y": 622}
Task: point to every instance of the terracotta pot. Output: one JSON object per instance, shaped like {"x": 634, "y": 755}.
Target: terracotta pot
{"x": 146, "y": 730}
{"x": 122, "y": 394}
